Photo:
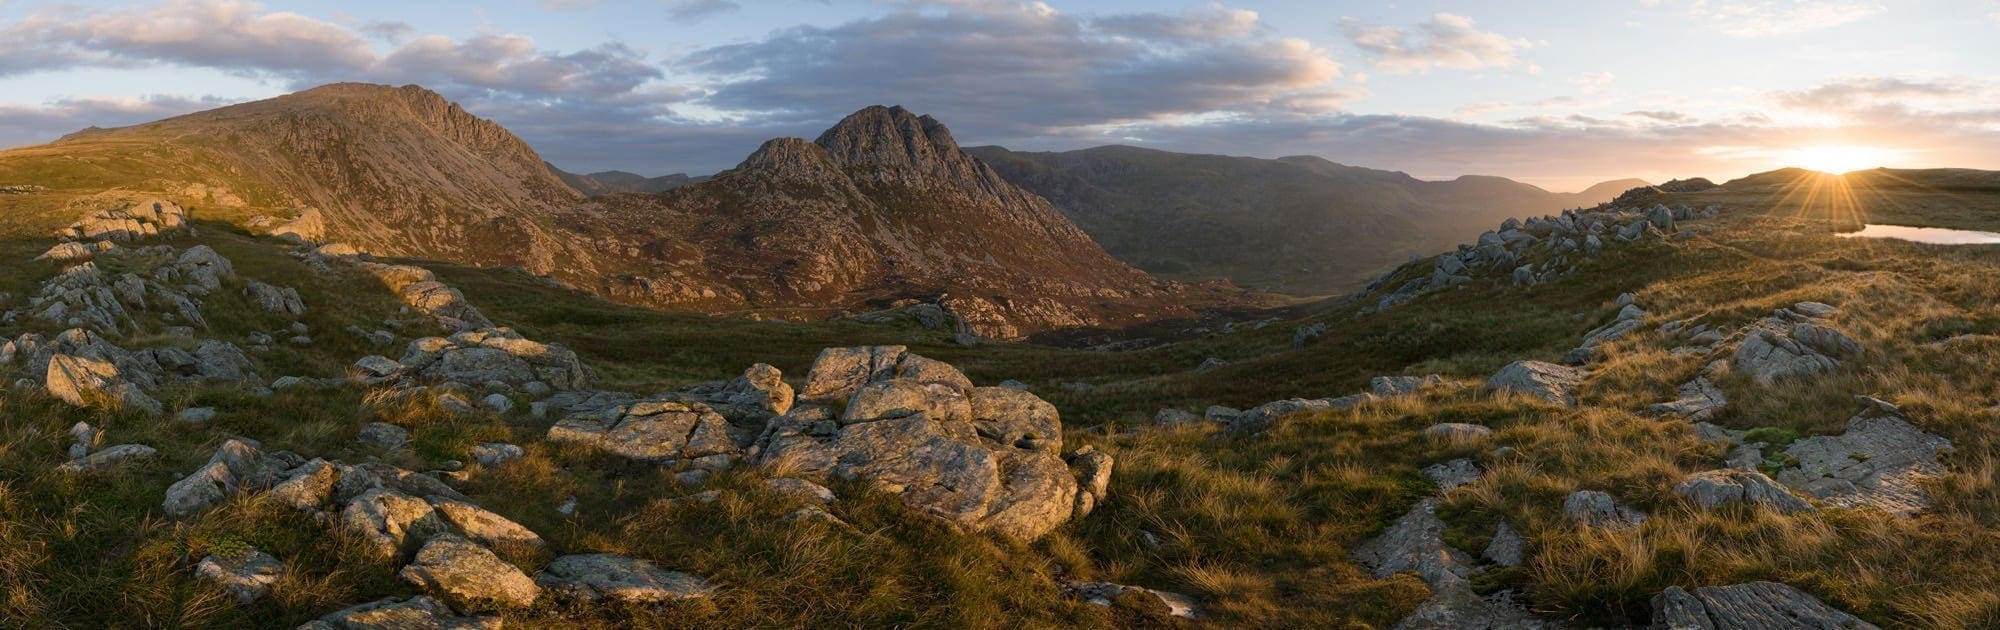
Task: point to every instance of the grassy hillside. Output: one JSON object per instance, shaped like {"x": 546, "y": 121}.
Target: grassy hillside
{"x": 1300, "y": 225}
{"x": 1259, "y": 528}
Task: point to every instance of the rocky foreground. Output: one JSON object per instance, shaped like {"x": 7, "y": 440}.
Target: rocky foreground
{"x": 980, "y": 458}
{"x": 142, "y": 314}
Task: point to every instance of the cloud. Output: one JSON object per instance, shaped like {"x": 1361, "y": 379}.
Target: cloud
{"x": 1663, "y": 116}
{"x": 566, "y": 5}
{"x": 1442, "y": 41}
{"x": 1592, "y": 82}
{"x": 1762, "y": 18}
{"x": 25, "y": 124}
{"x": 1007, "y": 69}
{"x": 697, "y": 10}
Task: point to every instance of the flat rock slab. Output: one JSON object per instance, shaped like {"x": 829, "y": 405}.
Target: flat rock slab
{"x": 416, "y": 613}
{"x": 1415, "y": 542}
{"x": 1752, "y": 606}
{"x": 1700, "y": 399}
{"x": 1104, "y": 593}
{"x": 1452, "y": 474}
{"x": 249, "y": 576}
{"x": 601, "y": 576}
{"x": 1876, "y": 463}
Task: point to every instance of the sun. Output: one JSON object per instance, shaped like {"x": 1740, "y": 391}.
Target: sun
{"x": 1841, "y": 158}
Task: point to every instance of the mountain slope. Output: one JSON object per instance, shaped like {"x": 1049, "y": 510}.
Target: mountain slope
{"x": 1298, "y": 224}
{"x": 883, "y": 205}
{"x": 397, "y": 171}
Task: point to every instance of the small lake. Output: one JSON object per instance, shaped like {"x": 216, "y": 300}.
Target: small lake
{"x": 1933, "y": 236}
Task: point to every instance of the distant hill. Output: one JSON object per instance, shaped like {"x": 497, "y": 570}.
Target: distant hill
{"x": 1301, "y": 225}
{"x": 608, "y": 182}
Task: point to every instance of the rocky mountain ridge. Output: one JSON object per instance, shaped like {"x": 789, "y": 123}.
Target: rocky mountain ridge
{"x": 883, "y": 206}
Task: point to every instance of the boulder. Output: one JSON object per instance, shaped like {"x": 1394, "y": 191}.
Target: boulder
{"x": 1093, "y": 477}
{"x": 1507, "y": 548}
{"x": 308, "y": 227}
{"x": 384, "y": 436}
{"x": 84, "y": 381}
{"x": 483, "y": 526}
{"x": 109, "y": 458}
{"x": 664, "y": 429}
{"x": 1168, "y": 417}
{"x": 390, "y": 521}
{"x": 444, "y": 304}
{"x": 839, "y": 372}
{"x": 468, "y": 576}
{"x": 599, "y": 577}
{"x": 200, "y": 491}
{"x": 1752, "y": 605}
{"x": 1452, "y": 474}
{"x": 1453, "y": 431}
{"x": 498, "y": 355}
{"x": 1700, "y": 399}
{"x": 275, "y": 299}
{"x": 755, "y": 397}
{"x": 496, "y": 453}
{"x": 309, "y": 486}
{"x": 1307, "y": 333}
{"x": 1547, "y": 381}
{"x": 1398, "y": 386}
{"x": 983, "y": 458}
{"x": 1262, "y": 417}
{"x": 1597, "y": 509}
{"x": 1768, "y": 355}
{"x": 248, "y": 575}
{"x": 1714, "y": 488}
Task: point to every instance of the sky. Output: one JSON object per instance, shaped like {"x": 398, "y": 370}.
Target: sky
{"x": 1556, "y": 93}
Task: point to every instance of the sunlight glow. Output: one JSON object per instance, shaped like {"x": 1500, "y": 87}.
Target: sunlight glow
{"x": 1837, "y": 159}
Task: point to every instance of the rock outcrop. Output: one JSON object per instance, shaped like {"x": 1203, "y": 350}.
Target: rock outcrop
{"x": 1752, "y": 605}
{"x": 1597, "y": 509}
{"x": 983, "y": 458}
{"x": 1415, "y": 543}
{"x": 1715, "y": 488}
{"x": 1547, "y": 381}
{"x": 599, "y": 577}
{"x": 1878, "y": 462}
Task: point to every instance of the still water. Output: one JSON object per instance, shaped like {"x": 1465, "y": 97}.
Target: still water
{"x": 1934, "y": 236}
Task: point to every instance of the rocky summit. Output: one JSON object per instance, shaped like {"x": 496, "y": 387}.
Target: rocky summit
{"x": 356, "y": 358}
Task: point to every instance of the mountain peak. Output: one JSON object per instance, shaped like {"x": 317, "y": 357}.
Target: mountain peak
{"x": 889, "y": 136}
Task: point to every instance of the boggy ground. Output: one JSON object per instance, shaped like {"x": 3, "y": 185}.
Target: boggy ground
{"x": 1259, "y": 528}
